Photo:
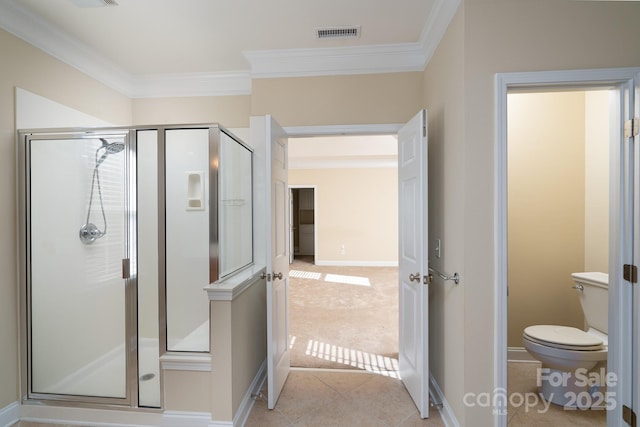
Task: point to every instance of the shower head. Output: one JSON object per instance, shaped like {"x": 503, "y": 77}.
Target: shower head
{"x": 114, "y": 148}
{"x": 109, "y": 148}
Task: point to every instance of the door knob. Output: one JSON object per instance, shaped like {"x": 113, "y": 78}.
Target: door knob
{"x": 414, "y": 277}
{"x": 277, "y": 276}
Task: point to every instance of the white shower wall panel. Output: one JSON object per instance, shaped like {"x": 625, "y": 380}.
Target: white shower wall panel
{"x": 187, "y": 236}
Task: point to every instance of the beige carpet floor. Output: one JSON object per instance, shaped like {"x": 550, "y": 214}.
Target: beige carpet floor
{"x": 343, "y": 317}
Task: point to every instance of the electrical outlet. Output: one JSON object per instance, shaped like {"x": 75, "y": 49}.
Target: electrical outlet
{"x": 342, "y": 249}
{"x": 438, "y": 248}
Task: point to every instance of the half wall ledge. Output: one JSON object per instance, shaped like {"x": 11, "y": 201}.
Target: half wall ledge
{"x": 230, "y": 287}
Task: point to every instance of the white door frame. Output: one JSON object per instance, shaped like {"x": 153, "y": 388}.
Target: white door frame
{"x": 619, "y": 360}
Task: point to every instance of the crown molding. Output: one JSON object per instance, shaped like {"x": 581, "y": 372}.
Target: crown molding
{"x": 403, "y": 57}
{"x": 388, "y": 58}
{"x": 19, "y": 21}
{"x": 437, "y": 23}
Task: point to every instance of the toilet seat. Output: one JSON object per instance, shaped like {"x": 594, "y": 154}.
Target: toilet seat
{"x": 563, "y": 337}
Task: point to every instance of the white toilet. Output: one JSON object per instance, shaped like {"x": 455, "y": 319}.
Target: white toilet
{"x": 568, "y": 354}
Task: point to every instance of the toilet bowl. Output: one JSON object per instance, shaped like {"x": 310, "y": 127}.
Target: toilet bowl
{"x": 570, "y": 355}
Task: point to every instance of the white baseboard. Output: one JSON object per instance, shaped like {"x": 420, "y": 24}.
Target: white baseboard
{"x": 242, "y": 414}
{"x": 341, "y": 263}
{"x": 446, "y": 412}
{"x": 10, "y": 414}
{"x": 519, "y": 354}
{"x": 185, "y": 419}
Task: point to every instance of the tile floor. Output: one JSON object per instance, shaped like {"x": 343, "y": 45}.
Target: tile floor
{"x": 340, "y": 398}
{"x": 344, "y": 398}
{"x": 522, "y": 379}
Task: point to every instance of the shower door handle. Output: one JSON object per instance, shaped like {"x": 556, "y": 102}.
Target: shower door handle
{"x": 126, "y": 268}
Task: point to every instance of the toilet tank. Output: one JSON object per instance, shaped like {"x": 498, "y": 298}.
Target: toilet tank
{"x": 594, "y": 298}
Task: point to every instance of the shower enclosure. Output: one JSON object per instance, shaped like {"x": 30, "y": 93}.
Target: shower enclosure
{"x": 120, "y": 229}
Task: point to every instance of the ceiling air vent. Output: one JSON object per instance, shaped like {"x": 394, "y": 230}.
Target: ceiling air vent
{"x": 338, "y": 32}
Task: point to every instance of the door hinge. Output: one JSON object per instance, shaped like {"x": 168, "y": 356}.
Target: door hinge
{"x": 630, "y": 273}
{"x": 424, "y": 131}
{"x": 628, "y": 416}
{"x": 631, "y": 128}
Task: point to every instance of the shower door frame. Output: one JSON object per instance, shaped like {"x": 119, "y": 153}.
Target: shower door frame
{"x": 24, "y": 268}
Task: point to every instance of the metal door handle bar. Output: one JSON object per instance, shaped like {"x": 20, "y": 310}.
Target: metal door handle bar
{"x": 455, "y": 277}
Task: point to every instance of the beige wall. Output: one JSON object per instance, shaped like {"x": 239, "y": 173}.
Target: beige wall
{"x": 249, "y": 332}
{"x": 187, "y": 391}
{"x": 502, "y": 36}
{"x": 238, "y": 348}
{"x": 229, "y": 111}
{"x": 485, "y": 38}
{"x": 337, "y": 100}
{"x": 558, "y": 182}
{"x": 444, "y": 100}
{"x": 357, "y": 208}
{"x": 546, "y": 209}
{"x": 27, "y": 67}
{"x": 596, "y": 215}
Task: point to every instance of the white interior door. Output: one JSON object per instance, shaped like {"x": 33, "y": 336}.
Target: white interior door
{"x": 277, "y": 261}
{"x": 413, "y": 262}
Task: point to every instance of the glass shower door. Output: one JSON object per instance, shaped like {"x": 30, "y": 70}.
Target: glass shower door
{"x": 78, "y": 244}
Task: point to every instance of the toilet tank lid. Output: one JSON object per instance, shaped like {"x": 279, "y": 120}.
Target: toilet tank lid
{"x": 594, "y": 277}
{"x": 565, "y": 335}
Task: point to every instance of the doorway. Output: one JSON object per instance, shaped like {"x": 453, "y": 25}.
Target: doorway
{"x": 621, "y": 83}
{"x": 344, "y": 302}
{"x": 558, "y": 190}
{"x": 302, "y": 215}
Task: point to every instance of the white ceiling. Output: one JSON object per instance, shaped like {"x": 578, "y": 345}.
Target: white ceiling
{"x": 205, "y": 47}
